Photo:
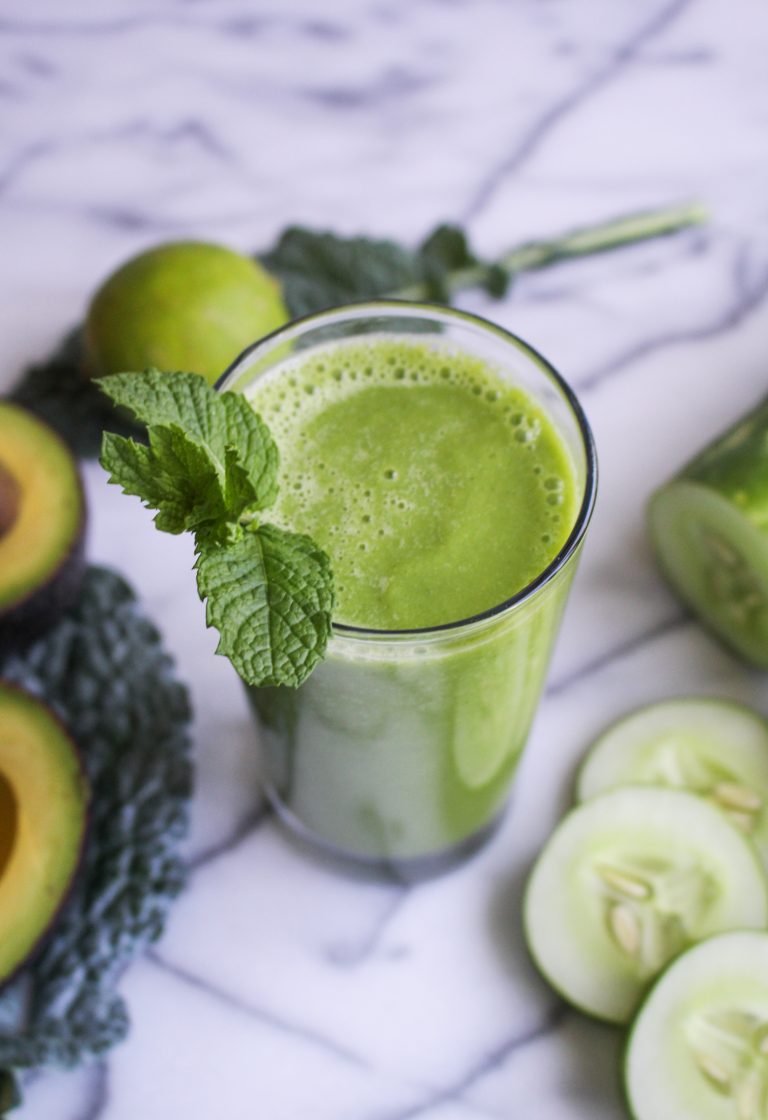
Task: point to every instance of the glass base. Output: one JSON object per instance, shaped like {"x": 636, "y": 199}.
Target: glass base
{"x": 412, "y": 869}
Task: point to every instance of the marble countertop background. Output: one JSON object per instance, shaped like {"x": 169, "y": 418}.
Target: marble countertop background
{"x": 284, "y": 988}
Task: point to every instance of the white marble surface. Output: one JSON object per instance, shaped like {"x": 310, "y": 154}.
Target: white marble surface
{"x": 285, "y": 989}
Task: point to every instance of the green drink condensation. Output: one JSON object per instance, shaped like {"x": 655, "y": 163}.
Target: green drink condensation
{"x": 442, "y": 487}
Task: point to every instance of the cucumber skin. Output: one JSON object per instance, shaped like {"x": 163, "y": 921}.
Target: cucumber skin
{"x": 736, "y": 465}
{"x": 641, "y": 1006}
{"x": 578, "y": 798}
{"x": 630, "y": 1030}
{"x": 529, "y": 940}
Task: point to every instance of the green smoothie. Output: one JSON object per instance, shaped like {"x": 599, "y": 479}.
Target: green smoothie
{"x": 440, "y": 488}
{"x": 437, "y": 489}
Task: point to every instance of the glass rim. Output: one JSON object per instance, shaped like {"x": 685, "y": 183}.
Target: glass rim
{"x": 423, "y": 309}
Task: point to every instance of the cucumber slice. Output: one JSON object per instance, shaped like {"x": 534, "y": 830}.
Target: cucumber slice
{"x": 698, "y": 1049}
{"x": 709, "y": 527}
{"x": 626, "y": 882}
{"x": 717, "y": 560}
{"x": 716, "y": 748}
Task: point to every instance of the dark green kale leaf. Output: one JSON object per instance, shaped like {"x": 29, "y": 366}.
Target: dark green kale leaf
{"x": 10, "y": 1096}
{"x": 442, "y": 255}
{"x": 319, "y": 269}
{"x": 103, "y": 669}
{"x": 71, "y": 403}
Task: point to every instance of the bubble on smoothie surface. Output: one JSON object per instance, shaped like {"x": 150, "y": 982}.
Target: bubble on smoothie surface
{"x": 377, "y": 486}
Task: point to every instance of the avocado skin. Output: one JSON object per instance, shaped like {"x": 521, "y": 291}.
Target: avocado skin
{"x": 49, "y": 927}
{"x": 29, "y": 617}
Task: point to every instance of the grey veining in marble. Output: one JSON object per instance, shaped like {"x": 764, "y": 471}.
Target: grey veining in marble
{"x": 285, "y": 988}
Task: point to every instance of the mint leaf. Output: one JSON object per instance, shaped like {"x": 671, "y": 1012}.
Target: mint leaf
{"x": 217, "y": 421}
{"x": 210, "y": 466}
{"x": 193, "y": 482}
{"x": 129, "y": 464}
{"x": 250, "y": 440}
{"x": 161, "y": 398}
{"x": 269, "y": 593}
{"x": 173, "y": 475}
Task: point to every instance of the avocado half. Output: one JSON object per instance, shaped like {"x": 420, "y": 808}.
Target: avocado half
{"x": 42, "y": 527}
{"x": 43, "y": 817}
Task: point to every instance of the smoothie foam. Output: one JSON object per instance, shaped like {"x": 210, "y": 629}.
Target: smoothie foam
{"x": 438, "y": 489}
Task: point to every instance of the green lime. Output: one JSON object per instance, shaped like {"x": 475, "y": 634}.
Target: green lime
{"x": 185, "y": 305}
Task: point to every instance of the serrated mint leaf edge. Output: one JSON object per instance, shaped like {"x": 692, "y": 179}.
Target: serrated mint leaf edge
{"x": 223, "y": 423}
{"x": 253, "y": 643}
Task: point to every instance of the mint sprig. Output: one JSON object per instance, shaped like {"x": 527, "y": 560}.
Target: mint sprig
{"x": 275, "y": 587}
{"x": 210, "y": 467}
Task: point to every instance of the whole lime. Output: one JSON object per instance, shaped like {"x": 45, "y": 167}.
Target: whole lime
{"x": 185, "y": 305}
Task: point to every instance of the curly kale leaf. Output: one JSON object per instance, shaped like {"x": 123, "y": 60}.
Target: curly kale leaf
{"x": 318, "y": 269}
{"x": 57, "y": 391}
{"x": 103, "y": 669}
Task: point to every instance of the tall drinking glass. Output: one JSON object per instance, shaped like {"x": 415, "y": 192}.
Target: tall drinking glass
{"x": 399, "y": 750}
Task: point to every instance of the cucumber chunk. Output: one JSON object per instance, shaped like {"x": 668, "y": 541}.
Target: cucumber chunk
{"x": 709, "y": 527}
{"x": 626, "y": 882}
{"x": 717, "y": 560}
{"x": 698, "y": 1049}
{"x": 715, "y": 748}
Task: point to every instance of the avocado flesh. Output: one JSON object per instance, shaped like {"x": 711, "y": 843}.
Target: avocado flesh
{"x": 43, "y": 815}
{"x": 42, "y": 518}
